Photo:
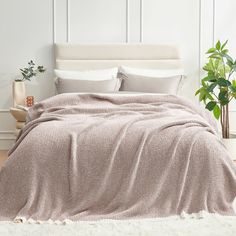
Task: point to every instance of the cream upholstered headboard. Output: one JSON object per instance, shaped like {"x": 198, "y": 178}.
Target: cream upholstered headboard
{"x": 100, "y": 56}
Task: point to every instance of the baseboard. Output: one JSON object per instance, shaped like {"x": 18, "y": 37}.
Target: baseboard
{"x": 7, "y": 140}
{"x": 6, "y": 144}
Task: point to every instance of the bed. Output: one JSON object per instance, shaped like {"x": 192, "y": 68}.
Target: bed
{"x": 98, "y": 156}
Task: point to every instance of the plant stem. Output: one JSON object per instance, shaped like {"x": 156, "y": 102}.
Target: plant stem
{"x": 225, "y": 121}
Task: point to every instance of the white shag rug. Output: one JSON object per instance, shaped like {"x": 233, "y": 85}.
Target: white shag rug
{"x": 201, "y": 224}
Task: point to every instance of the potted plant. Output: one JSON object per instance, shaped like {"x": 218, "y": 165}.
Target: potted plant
{"x": 19, "y": 85}
{"x": 218, "y": 88}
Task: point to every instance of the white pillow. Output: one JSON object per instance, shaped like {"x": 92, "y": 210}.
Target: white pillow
{"x": 88, "y": 86}
{"x": 139, "y": 83}
{"x": 88, "y": 75}
{"x": 166, "y": 81}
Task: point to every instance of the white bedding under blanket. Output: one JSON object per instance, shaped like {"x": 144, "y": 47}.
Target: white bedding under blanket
{"x": 88, "y": 157}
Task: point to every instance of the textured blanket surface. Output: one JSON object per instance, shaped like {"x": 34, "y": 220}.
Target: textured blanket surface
{"x": 88, "y": 157}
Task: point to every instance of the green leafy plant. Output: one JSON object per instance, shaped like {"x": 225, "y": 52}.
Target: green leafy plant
{"x": 218, "y": 88}
{"x": 30, "y": 71}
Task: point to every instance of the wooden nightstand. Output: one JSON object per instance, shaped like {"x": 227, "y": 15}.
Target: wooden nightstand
{"x": 20, "y": 116}
{"x": 3, "y": 157}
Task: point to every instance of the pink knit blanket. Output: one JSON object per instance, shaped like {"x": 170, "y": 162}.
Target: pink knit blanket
{"x": 87, "y": 157}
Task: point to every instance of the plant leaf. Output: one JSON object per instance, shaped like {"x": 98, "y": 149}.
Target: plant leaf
{"x": 222, "y": 96}
{"x": 211, "y": 105}
{"x": 203, "y": 93}
{"x": 217, "y": 112}
{"x": 229, "y": 58}
{"x": 234, "y": 83}
{"x": 224, "y": 102}
{"x": 209, "y": 97}
{"x": 212, "y": 87}
{"x": 204, "y": 84}
{"x": 233, "y": 86}
{"x": 215, "y": 56}
{"x": 217, "y": 63}
{"x": 229, "y": 63}
{"x": 197, "y": 92}
{"x": 234, "y": 95}
{"x": 224, "y": 44}
{"x": 211, "y": 50}
{"x": 225, "y": 51}
{"x": 224, "y": 82}
{"x": 209, "y": 78}
{"x": 218, "y": 45}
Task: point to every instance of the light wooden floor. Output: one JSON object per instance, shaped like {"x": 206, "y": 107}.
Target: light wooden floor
{"x": 3, "y": 157}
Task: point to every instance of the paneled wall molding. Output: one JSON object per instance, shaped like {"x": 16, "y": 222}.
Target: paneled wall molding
{"x": 6, "y": 132}
{"x": 6, "y": 141}
{"x": 7, "y": 135}
{"x": 206, "y": 27}
{"x": 214, "y": 20}
{"x": 127, "y": 21}
{"x": 68, "y": 5}
{"x": 4, "y": 111}
{"x": 53, "y": 19}
{"x": 141, "y": 22}
{"x": 61, "y": 20}
{"x": 199, "y": 43}
{"x": 64, "y": 16}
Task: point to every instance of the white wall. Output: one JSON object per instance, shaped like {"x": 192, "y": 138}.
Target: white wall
{"x": 26, "y": 32}
{"x": 225, "y": 29}
{"x": 28, "y": 29}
